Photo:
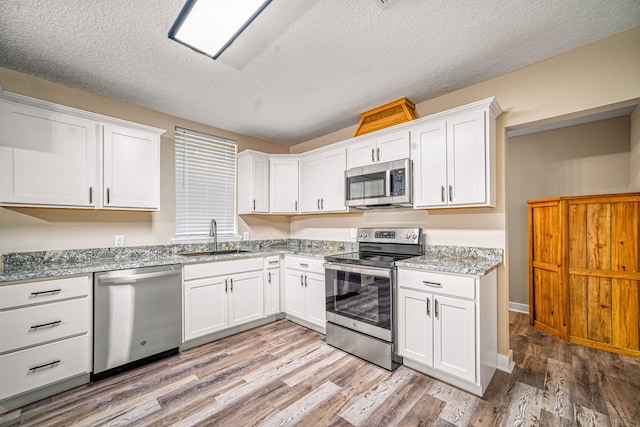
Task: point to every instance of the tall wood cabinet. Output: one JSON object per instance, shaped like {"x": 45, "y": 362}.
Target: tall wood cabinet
{"x": 584, "y": 270}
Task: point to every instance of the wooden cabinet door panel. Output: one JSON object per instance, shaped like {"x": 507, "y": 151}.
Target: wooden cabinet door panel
{"x": 454, "y": 337}
{"x": 246, "y": 302}
{"x": 599, "y": 309}
{"x": 599, "y": 236}
{"x": 546, "y": 235}
{"x": 547, "y": 300}
{"x": 625, "y": 224}
{"x": 625, "y": 314}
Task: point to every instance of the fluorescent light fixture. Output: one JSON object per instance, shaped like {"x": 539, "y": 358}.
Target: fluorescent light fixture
{"x": 210, "y": 26}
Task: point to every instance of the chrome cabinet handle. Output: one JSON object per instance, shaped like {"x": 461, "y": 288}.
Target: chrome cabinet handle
{"x": 273, "y": 262}
{"x": 428, "y": 304}
{"x": 318, "y": 204}
{"x": 296, "y": 208}
{"x": 226, "y": 286}
{"x": 46, "y": 325}
{"x": 432, "y": 284}
{"x": 304, "y": 265}
{"x": 269, "y": 277}
{"x": 378, "y": 153}
{"x": 442, "y": 193}
{"x": 254, "y": 204}
{"x": 301, "y": 280}
{"x": 305, "y": 281}
{"x": 46, "y": 365}
{"x": 450, "y": 193}
{"x": 45, "y": 293}
{"x": 90, "y": 195}
{"x": 435, "y": 308}
{"x": 108, "y": 196}
{"x": 231, "y": 280}
{"x": 322, "y": 204}
{"x": 373, "y": 157}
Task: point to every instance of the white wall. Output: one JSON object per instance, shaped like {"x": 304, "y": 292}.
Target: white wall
{"x": 592, "y": 158}
{"x": 634, "y": 172}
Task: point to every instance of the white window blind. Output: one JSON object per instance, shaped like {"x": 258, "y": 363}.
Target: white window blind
{"x": 205, "y": 184}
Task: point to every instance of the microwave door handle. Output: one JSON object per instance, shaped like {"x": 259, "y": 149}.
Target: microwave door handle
{"x": 389, "y": 181}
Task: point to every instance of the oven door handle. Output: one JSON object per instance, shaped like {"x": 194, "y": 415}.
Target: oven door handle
{"x": 373, "y": 271}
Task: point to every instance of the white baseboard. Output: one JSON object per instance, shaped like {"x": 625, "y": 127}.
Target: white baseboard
{"x": 505, "y": 362}
{"x": 520, "y": 308}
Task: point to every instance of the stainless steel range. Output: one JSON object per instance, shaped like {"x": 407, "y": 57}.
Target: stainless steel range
{"x": 361, "y": 292}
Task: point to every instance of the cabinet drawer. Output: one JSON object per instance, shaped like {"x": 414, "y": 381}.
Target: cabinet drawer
{"x": 33, "y": 325}
{"x": 271, "y": 261}
{"x": 35, "y": 367}
{"x": 313, "y": 265}
{"x": 43, "y": 291}
{"x": 221, "y": 268}
{"x": 459, "y": 286}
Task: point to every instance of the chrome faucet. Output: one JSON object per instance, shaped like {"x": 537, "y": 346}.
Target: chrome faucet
{"x": 213, "y": 232}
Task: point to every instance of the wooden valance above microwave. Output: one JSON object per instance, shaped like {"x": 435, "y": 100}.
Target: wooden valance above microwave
{"x": 393, "y": 113}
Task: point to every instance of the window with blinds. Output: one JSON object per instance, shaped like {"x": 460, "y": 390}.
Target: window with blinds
{"x": 205, "y": 184}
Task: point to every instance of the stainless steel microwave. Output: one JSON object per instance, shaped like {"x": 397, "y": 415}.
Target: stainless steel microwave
{"x": 383, "y": 185}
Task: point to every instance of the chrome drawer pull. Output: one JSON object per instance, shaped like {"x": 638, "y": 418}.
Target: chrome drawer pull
{"x": 269, "y": 280}
{"x": 432, "y": 284}
{"x": 44, "y": 293}
{"x": 46, "y": 365}
{"x": 304, "y": 265}
{"x": 46, "y": 325}
{"x": 273, "y": 262}
{"x": 428, "y": 304}
{"x": 435, "y": 308}
{"x": 305, "y": 280}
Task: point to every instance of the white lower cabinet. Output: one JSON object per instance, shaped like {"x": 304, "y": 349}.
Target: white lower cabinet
{"x": 447, "y": 326}
{"x": 271, "y": 285}
{"x": 45, "y": 339}
{"x": 220, "y": 295}
{"x": 305, "y": 291}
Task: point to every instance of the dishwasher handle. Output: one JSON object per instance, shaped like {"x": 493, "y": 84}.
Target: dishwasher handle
{"x": 133, "y": 276}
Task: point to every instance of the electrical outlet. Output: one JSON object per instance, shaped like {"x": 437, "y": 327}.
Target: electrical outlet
{"x": 119, "y": 240}
{"x": 245, "y": 235}
{"x": 354, "y": 232}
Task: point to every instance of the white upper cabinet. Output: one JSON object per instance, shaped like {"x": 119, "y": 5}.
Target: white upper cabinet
{"x": 131, "y": 160}
{"x": 253, "y": 182}
{"x": 384, "y": 147}
{"x": 453, "y": 157}
{"x": 283, "y": 184}
{"x": 322, "y": 181}
{"x": 56, "y": 156}
{"x": 46, "y": 158}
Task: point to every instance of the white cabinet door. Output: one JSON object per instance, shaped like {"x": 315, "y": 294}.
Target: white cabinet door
{"x": 245, "y": 294}
{"x": 47, "y": 158}
{"x": 429, "y": 151}
{"x": 415, "y": 326}
{"x": 311, "y": 174}
{"x": 295, "y": 295}
{"x": 466, "y": 154}
{"x": 283, "y": 185}
{"x": 253, "y": 182}
{"x": 455, "y": 337}
{"x": 393, "y": 146}
{"x": 131, "y": 169}
{"x": 332, "y": 179}
{"x": 362, "y": 153}
{"x": 205, "y": 307}
{"x": 315, "y": 299}
{"x": 272, "y": 292}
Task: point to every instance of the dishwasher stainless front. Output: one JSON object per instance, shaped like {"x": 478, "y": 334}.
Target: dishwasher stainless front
{"x": 137, "y": 317}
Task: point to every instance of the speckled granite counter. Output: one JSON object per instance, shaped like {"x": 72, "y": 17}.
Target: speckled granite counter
{"x": 456, "y": 259}
{"x": 35, "y": 265}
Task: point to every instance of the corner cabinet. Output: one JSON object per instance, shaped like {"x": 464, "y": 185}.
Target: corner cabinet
{"x": 322, "y": 181}
{"x": 454, "y": 157}
{"x": 56, "y": 156}
{"x": 447, "y": 326}
{"x": 584, "y": 270}
{"x": 253, "y": 182}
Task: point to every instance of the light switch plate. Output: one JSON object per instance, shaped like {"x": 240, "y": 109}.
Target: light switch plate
{"x": 119, "y": 240}
{"x": 245, "y": 235}
{"x": 354, "y": 231}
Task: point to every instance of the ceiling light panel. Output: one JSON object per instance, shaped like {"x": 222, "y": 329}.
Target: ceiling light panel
{"x": 210, "y": 26}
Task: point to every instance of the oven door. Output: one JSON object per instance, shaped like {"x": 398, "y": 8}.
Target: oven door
{"x": 360, "y": 298}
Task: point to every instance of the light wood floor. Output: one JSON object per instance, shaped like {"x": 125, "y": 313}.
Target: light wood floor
{"x": 284, "y": 374}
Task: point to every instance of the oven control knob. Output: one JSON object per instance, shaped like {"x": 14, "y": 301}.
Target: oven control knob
{"x": 407, "y": 236}
{"x": 414, "y": 235}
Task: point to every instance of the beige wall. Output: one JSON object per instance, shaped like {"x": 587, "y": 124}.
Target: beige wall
{"x": 634, "y": 172}
{"x": 596, "y": 77}
{"x": 591, "y": 158}
{"x": 29, "y": 229}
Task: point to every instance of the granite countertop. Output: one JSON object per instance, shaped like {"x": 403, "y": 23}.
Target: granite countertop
{"x": 456, "y": 259}
{"x": 37, "y": 265}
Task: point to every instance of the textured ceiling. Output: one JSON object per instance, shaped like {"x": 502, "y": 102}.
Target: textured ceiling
{"x": 304, "y": 68}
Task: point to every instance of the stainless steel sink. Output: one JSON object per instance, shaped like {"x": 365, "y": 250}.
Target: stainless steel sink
{"x": 222, "y": 252}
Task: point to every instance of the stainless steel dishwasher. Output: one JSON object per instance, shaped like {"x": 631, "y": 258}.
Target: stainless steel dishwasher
{"x": 137, "y": 317}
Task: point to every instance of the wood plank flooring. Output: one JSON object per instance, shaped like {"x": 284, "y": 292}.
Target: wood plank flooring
{"x": 283, "y": 374}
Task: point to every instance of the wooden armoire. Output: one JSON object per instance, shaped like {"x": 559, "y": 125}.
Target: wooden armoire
{"x": 584, "y": 270}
